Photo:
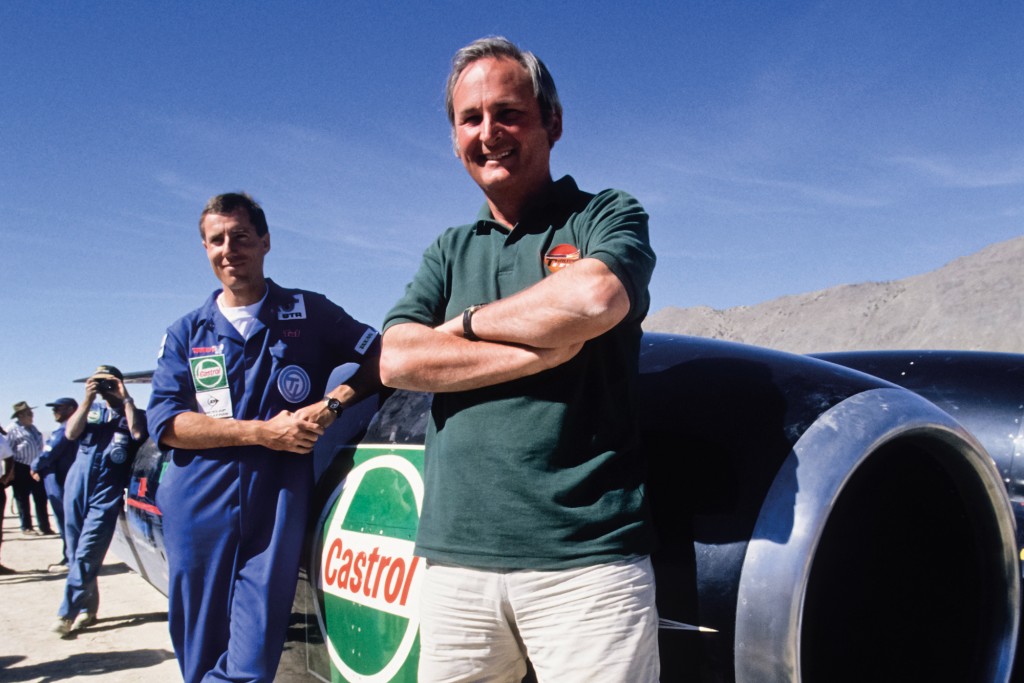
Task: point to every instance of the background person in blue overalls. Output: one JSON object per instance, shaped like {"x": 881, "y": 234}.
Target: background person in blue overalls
{"x": 238, "y": 394}
{"x": 94, "y": 490}
{"x": 52, "y": 467}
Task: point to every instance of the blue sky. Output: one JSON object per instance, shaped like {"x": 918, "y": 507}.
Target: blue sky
{"x": 779, "y": 147}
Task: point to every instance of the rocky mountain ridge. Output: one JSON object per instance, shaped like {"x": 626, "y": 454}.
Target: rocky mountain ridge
{"x": 975, "y": 302}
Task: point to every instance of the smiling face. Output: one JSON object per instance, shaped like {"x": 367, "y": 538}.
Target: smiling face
{"x": 236, "y": 254}
{"x": 500, "y": 135}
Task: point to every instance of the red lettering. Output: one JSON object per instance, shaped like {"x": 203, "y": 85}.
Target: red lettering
{"x": 374, "y": 556}
{"x": 408, "y": 579}
{"x": 345, "y": 569}
{"x": 396, "y": 577}
{"x": 359, "y": 571}
{"x": 334, "y": 551}
{"x": 357, "y": 568}
{"x": 385, "y": 561}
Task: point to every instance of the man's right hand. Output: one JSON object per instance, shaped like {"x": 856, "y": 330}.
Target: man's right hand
{"x": 287, "y": 431}
{"x": 91, "y": 390}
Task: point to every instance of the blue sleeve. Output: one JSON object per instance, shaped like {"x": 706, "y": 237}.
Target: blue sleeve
{"x": 350, "y": 341}
{"x": 56, "y": 449}
{"x": 172, "y": 385}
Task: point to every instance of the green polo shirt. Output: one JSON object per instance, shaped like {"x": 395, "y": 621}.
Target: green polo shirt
{"x": 543, "y": 472}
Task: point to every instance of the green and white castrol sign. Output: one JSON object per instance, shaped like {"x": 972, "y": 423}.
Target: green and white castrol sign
{"x": 368, "y": 574}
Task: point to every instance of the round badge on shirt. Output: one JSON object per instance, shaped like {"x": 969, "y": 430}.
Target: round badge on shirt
{"x": 294, "y": 384}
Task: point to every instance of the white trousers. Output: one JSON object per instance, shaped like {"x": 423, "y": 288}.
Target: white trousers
{"x": 596, "y": 624}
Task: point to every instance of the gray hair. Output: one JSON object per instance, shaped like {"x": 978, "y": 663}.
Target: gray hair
{"x": 500, "y": 47}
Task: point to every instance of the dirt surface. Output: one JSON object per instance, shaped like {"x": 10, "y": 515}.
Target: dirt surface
{"x": 128, "y": 643}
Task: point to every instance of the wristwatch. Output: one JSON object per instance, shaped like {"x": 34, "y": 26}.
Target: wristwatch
{"x": 467, "y": 322}
{"x": 333, "y": 405}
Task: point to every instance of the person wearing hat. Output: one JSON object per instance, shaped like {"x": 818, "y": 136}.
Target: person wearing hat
{"x": 6, "y": 477}
{"x": 52, "y": 467}
{"x": 94, "y": 490}
{"x": 240, "y": 395}
{"x": 26, "y": 441}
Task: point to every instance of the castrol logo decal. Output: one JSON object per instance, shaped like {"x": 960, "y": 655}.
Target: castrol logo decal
{"x": 209, "y": 372}
{"x": 560, "y": 256}
{"x": 367, "y": 572}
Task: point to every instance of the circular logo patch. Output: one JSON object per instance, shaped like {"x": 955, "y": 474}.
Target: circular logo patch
{"x": 561, "y": 256}
{"x": 118, "y": 455}
{"x": 367, "y": 571}
{"x": 208, "y": 373}
{"x": 294, "y": 384}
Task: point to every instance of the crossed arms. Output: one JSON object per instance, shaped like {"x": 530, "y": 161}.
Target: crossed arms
{"x": 295, "y": 432}
{"x": 538, "y": 328}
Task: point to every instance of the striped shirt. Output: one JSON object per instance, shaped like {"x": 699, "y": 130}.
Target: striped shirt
{"x": 26, "y": 442}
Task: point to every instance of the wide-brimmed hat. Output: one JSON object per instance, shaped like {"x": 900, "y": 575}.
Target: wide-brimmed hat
{"x": 20, "y": 407}
{"x": 108, "y": 372}
{"x": 62, "y": 402}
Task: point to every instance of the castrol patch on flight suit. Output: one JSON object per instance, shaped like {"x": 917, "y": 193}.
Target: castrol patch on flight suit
{"x": 561, "y": 256}
{"x": 293, "y": 310}
{"x": 367, "y": 575}
{"x": 210, "y": 378}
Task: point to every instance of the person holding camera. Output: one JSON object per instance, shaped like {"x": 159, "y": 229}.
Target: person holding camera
{"x": 94, "y": 489}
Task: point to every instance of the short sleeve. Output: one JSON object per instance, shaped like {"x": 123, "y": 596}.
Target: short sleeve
{"x": 425, "y": 297}
{"x": 172, "y": 386}
{"x": 615, "y": 232}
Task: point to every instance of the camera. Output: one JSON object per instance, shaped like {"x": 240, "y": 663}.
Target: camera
{"x": 106, "y": 386}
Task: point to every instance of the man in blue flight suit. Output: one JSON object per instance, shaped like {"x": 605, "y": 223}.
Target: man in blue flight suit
{"x": 238, "y": 394}
{"x": 53, "y": 465}
{"x": 94, "y": 490}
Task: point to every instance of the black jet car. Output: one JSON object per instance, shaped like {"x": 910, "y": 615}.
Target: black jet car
{"x": 844, "y": 517}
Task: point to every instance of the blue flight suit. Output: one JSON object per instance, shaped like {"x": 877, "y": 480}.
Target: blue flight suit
{"x": 234, "y": 518}
{"x": 93, "y": 499}
{"x": 53, "y": 464}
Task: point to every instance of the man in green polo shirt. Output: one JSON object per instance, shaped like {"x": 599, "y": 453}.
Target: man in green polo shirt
{"x": 526, "y": 326}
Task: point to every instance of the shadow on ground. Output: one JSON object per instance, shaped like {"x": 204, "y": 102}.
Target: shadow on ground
{"x": 83, "y": 664}
{"x": 111, "y": 623}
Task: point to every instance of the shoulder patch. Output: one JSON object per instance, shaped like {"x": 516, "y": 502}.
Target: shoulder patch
{"x": 365, "y": 341}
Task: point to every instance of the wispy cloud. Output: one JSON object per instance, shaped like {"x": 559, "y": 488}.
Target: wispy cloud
{"x": 965, "y": 174}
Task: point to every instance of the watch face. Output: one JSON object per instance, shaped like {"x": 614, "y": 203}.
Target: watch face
{"x": 334, "y": 405}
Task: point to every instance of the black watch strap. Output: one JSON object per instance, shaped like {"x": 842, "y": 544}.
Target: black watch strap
{"x": 333, "y": 405}
{"x": 467, "y": 322}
